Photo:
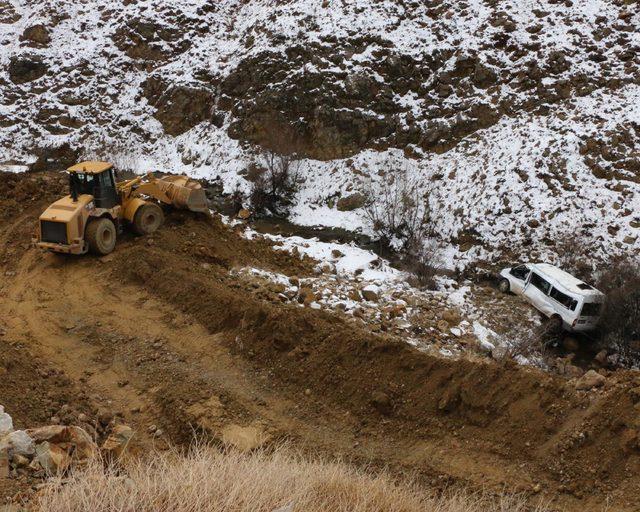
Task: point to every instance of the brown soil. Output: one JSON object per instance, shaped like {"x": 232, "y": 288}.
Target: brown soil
{"x": 160, "y": 334}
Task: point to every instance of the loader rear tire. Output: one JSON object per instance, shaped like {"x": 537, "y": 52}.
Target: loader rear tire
{"x": 148, "y": 218}
{"x": 101, "y": 236}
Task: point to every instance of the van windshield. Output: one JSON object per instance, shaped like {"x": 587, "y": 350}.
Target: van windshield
{"x": 591, "y": 309}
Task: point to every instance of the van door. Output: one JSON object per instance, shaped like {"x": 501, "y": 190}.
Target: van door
{"x": 537, "y": 292}
{"x": 519, "y": 276}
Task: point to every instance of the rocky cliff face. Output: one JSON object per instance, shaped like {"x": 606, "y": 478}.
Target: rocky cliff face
{"x": 199, "y": 84}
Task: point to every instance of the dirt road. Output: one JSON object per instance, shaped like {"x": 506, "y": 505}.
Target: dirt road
{"x": 161, "y": 337}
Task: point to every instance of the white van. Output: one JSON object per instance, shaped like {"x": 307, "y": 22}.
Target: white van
{"x": 564, "y": 299}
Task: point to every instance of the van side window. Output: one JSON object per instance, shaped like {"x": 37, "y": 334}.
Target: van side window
{"x": 563, "y": 299}
{"x": 521, "y": 272}
{"x": 540, "y": 283}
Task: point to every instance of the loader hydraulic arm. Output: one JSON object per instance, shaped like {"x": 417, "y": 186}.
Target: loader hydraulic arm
{"x": 178, "y": 191}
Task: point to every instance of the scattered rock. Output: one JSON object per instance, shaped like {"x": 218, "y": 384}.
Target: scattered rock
{"x": 243, "y": 214}
{"x": 6, "y": 423}
{"x": 601, "y": 357}
{"x": 570, "y": 344}
{"x": 72, "y": 436}
{"x": 371, "y": 292}
{"x": 116, "y": 444}
{"x": 589, "y": 380}
{"x": 18, "y": 442}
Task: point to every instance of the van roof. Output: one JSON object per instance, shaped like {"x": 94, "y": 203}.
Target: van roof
{"x": 572, "y": 284}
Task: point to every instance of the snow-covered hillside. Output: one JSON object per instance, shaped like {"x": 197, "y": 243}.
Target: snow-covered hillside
{"x": 520, "y": 118}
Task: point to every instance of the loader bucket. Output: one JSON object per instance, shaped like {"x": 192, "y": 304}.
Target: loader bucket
{"x": 184, "y": 193}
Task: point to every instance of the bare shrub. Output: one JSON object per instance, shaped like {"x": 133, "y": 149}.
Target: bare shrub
{"x": 207, "y": 480}
{"x": 398, "y": 210}
{"x": 620, "y": 317}
{"x": 423, "y": 258}
{"x": 527, "y": 344}
{"x": 275, "y": 183}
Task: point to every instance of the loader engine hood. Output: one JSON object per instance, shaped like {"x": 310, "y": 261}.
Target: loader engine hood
{"x": 66, "y": 209}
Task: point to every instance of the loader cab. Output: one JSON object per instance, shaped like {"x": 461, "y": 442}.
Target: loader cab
{"x": 96, "y": 179}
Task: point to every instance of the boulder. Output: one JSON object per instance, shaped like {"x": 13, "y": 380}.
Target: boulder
{"x": 37, "y": 34}
{"x": 117, "y": 442}
{"x": 591, "y": 379}
{"x": 371, "y": 292}
{"x": 52, "y": 458}
{"x": 71, "y": 436}
{"x": 6, "y": 423}
{"x": 26, "y": 69}
{"x": 18, "y": 443}
{"x": 351, "y": 202}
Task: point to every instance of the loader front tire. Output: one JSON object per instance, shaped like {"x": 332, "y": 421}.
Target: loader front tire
{"x": 101, "y": 236}
{"x": 148, "y": 218}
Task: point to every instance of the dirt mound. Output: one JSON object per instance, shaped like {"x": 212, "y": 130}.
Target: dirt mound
{"x": 584, "y": 443}
{"x": 162, "y": 335}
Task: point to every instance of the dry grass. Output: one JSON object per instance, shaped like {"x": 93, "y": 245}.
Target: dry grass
{"x": 207, "y": 480}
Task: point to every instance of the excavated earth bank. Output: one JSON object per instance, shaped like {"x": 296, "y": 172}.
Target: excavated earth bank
{"x": 159, "y": 335}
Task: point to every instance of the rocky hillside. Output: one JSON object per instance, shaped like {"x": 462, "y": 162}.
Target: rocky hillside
{"x": 521, "y": 119}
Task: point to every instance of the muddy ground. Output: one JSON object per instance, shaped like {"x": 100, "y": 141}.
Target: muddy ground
{"x": 160, "y": 336}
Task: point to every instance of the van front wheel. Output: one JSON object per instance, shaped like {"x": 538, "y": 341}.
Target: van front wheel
{"x": 504, "y": 286}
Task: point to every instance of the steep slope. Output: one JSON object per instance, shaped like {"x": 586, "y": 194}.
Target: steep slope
{"x": 161, "y": 336}
{"x": 521, "y": 113}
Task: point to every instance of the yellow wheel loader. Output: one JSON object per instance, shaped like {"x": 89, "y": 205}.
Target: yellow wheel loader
{"x": 98, "y": 208}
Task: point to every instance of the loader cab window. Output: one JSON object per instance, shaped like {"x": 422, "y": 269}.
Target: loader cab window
{"x": 101, "y": 186}
{"x": 81, "y": 183}
{"x": 104, "y": 194}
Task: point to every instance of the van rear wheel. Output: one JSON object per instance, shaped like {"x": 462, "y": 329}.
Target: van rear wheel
{"x": 148, "y": 219}
{"x": 100, "y": 235}
{"x": 504, "y": 286}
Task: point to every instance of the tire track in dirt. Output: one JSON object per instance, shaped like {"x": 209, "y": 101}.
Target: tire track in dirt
{"x": 162, "y": 338}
